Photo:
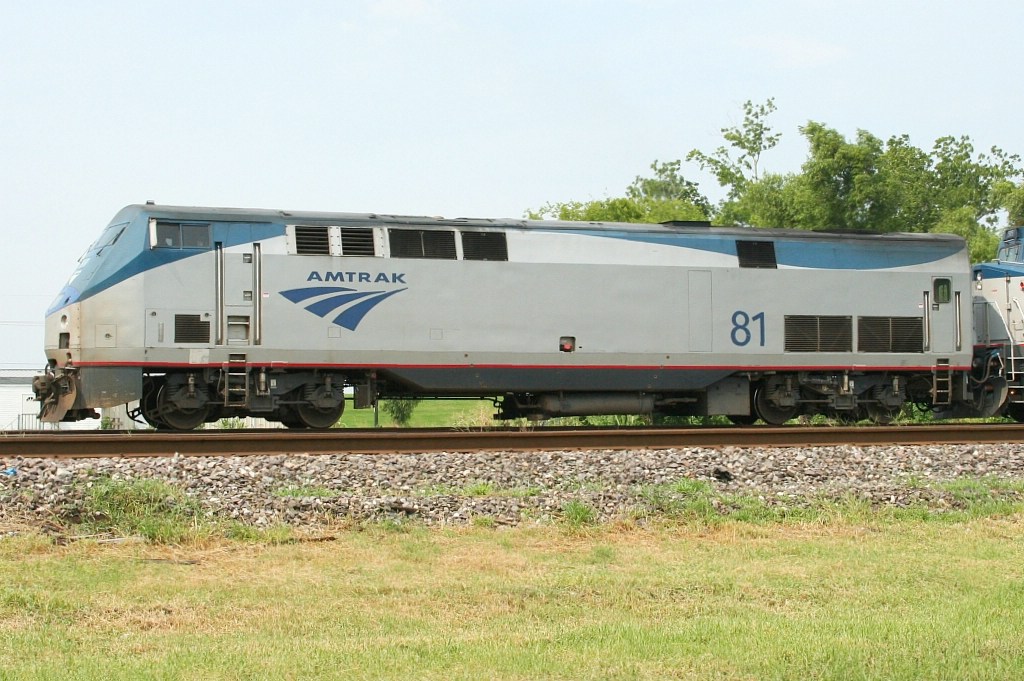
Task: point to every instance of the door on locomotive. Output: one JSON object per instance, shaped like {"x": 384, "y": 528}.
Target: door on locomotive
{"x": 943, "y": 317}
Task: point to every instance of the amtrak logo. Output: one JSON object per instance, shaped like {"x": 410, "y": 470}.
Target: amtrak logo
{"x": 326, "y": 300}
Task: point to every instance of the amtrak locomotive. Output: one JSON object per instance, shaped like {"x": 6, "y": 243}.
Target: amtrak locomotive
{"x": 202, "y": 313}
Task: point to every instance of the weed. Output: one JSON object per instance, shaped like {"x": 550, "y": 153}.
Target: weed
{"x": 153, "y": 509}
{"x": 483, "y": 521}
{"x": 578, "y": 514}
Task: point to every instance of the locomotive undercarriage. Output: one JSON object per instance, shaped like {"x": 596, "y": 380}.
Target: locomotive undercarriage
{"x": 776, "y": 398}
{"x": 185, "y": 400}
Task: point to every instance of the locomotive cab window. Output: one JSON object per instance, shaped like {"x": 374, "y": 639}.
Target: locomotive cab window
{"x": 943, "y": 291}
{"x": 179, "y": 235}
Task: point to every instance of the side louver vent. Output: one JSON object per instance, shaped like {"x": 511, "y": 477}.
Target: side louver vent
{"x": 890, "y": 334}
{"x": 312, "y": 240}
{"x": 357, "y": 242}
{"x": 190, "y": 328}
{"x": 811, "y": 333}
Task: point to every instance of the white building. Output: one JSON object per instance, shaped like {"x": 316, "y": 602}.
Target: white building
{"x": 20, "y": 411}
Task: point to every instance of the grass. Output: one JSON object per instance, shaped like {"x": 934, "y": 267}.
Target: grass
{"x": 160, "y": 513}
{"x": 428, "y": 414}
{"x": 900, "y": 600}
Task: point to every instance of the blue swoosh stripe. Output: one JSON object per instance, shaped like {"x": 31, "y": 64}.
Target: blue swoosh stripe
{"x": 351, "y": 317}
{"x": 297, "y": 295}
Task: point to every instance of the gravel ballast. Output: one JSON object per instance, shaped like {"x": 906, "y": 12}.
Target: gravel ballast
{"x": 509, "y": 488}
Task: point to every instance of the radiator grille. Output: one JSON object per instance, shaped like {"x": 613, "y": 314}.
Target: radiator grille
{"x": 421, "y": 243}
{"x": 484, "y": 246}
{"x": 812, "y": 333}
{"x": 190, "y": 328}
{"x": 890, "y": 334}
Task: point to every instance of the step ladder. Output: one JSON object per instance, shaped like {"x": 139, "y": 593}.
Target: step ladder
{"x": 942, "y": 382}
{"x": 236, "y": 381}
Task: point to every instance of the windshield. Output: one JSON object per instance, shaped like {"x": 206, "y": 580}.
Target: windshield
{"x": 108, "y": 238}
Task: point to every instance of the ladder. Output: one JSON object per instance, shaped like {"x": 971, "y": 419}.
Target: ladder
{"x": 236, "y": 381}
{"x": 942, "y": 383}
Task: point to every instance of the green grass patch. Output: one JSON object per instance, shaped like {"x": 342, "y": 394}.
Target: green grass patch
{"x": 161, "y": 513}
{"x": 696, "y": 502}
{"x": 578, "y": 514}
{"x": 890, "y": 600}
{"x": 149, "y": 508}
{"x": 428, "y": 414}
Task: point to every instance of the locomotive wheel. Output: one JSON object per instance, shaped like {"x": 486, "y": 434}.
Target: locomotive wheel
{"x": 175, "y": 417}
{"x": 147, "y": 405}
{"x": 319, "y": 418}
{"x": 743, "y": 420}
{"x": 288, "y": 418}
{"x": 772, "y": 414}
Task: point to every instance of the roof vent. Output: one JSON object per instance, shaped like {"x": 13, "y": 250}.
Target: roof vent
{"x": 686, "y": 223}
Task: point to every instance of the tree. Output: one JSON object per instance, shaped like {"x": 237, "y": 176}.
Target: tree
{"x": 668, "y": 185}
{"x": 1011, "y": 198}
{"x": 664, "y": 197}
{"x": 751, "y": 139}
{"x": 866, "y": 184}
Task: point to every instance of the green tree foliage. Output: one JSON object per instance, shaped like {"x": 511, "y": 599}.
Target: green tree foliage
{"x": 400, "y": 411}
{"x": 750, "y": 140}
{"x": 1011, "y": 197}
{"x": 866, "y": 184}
{"x": 664, "y": 197}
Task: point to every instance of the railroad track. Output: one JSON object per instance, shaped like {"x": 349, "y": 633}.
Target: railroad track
{"x": 86, "y": 444}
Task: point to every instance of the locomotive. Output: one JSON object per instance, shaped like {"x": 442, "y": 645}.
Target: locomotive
{"x": 198, "y": 314}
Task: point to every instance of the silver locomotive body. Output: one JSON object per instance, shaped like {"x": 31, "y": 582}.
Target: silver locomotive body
{"x": 202, "y": 313}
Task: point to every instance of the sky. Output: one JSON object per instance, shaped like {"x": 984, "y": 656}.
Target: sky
{"x": 460, "y": 108}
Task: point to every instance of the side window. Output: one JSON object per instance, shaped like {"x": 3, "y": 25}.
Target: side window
{"x": 943, "y": 291}
{"x": 168, "y": 235}
{"x": 189, "y": 235}
{"x": 195, "y": 236}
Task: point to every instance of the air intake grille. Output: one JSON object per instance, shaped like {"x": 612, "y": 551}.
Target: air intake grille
{"x": 484, "y": 246}
{"x": 310, "y": 240}
{"x": 357, "y": 242}
{"x": 760, "y": 254}
{"x": 417, "y": 243}
{"x": 189, "y": 328}
{"x": 810, "y": 333}
{"x": 890, "y": 334}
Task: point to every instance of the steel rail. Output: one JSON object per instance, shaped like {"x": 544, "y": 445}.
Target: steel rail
{"x": 78, "y": 444}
